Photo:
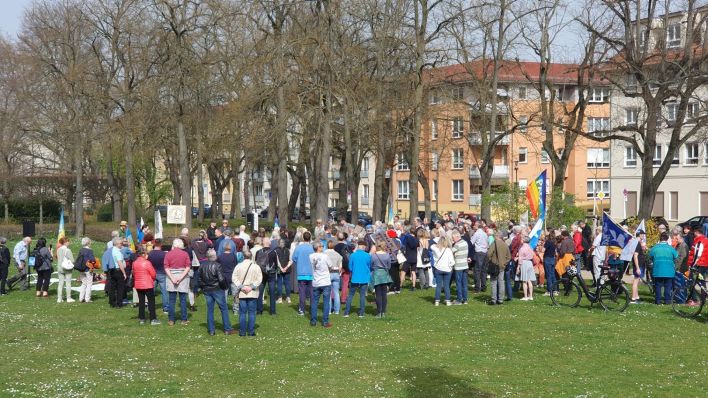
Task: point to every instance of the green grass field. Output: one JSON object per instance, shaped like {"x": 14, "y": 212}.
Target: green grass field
{"x": 518, "y": 349}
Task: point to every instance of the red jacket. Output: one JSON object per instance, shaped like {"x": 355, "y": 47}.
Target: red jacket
{"x": 143, "y": 274}
{"x": 699, "y": 252}
{"x": 578, "y": 240}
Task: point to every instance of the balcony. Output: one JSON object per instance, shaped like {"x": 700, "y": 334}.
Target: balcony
{"x": 364, "y": 201}
{"x": 475, "y": 199}
{"x": 499, "y": 172}
{"x": 475, "y": 138}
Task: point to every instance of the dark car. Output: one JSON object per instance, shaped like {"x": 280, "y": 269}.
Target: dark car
{"x": 363, "y": 217}
{"x": 207, "y": 211}
{"x": 434, "y": 216}
{"x": 694, "y": 222}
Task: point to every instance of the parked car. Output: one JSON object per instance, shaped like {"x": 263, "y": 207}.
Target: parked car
{"x": 434, "y": 216}
{"x": 694, "y": 222}
{"x": 207, "y": 211}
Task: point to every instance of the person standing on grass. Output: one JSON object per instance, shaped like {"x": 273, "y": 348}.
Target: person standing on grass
{"x": 698, "y": 257}
{"x": 266, "y": 255}
{"x": 284, "y": 272}
{"x": 64, "y": 254}
{"x": 43, "y": 266}
{"x": 247, "y": 280}
{"x": 114, "y": 267}
{"x": 228, "y": 262}
{"x": 549, "y": 261}
{"x": 638, "y": 266}
{"x": 409, "y": 245}
{"x": 360, "y": 267}
{"x": 525, "y": 270}
{"x": 81, "y": 264}
{"x": 321, "y": 285}
{"x": 156, "y": 256}
{"x": 480, "y": 241}
{"x": 459, "y": 252}
{"x": 498, "y": 254}
{"x": 20, "y": 253}
{"x": 599, "y": 254}
{"x": 443, "y": 262}
{"x": 177, "y": 267}
{"x": 303, "y": 268}
{"x": 342, "y": 247}
{"x": 4, "y": 265}
{"x": 335, "y": 268}
{"x": 144, "y": 280}
{"x": 678, "y": 243}
{"x": 663, "y": 256}
{"x": 423, "y": 259}
{"x": 214, "y": 283}
{"x": 380, "y": 264}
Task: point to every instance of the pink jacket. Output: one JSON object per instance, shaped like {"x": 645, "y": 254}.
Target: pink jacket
{"x": 526, "y": 253}
{"x": 143, "y": 274}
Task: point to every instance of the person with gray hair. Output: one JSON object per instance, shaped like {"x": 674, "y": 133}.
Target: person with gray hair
{"x": 4, "y": 264}
{"x": 20, "y": 253}
{"x": 84, "y": 260}
{"x": 499, "y": 257}
{"x": 177, "y": 266}
{"x": 214, "y": 284}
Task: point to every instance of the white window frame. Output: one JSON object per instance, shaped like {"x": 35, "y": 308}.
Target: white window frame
{"x": 401, "y": 163}
{"x": 658, "y": 150}
{"x": 630, "y": 116}
{"x": 673, "y": 35}
{"x": 523, "y": 123}
{"x": 523, "y": 184}
{"x": 598, "y": 163}
{"x": 434, "y": 194}
{"x": 643, "y": 36}
{"x": 523, "y": 92}
{"x": 458, "y": 126}
{"x": 599, "y": 94}
{"x": 365, "y": 165}
{"x": 365, "y": 190}
{"x": 434, "y": 96}
{"x": 434, "y": 161}
{"x": 598, "y": 185}
{"x": 458, "y": 93}
{"x": 458, "y": 196}
{"x": 692, "y": 111}
{"x": 404, "y": 190}
{"x": 705, "y": 154}
{"x": 523, "y": 151}
{"x": 672, "y": 109}
{"x": 545, "y": 159}
{"x": 434, "y": 129}
{"x": 630, "y": 156}
{"x": 692, "y": 154}
{"x": 598, "y": 124}
{"x": 458, "y": 159}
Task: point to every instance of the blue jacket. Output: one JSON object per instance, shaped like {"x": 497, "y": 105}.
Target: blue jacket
{"x": 301, "y": 258}
{"x": 107, "y": 261}
{"x": 360, "y": 265}
{"x": 663, "y": 256}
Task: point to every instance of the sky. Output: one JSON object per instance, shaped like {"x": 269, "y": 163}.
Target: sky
{"x": 11, "y": 16}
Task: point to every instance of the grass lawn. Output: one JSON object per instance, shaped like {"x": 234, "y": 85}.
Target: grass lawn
{"x": 518, "y": 349}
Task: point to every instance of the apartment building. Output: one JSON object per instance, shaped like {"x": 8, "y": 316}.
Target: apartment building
{"x": 684, "y": 192}
{"x": 451, "y": 139}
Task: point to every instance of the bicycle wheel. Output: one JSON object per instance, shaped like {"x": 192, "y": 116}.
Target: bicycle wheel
{"x": 566, "y": 293}
{"x": 684, "y": 304}
{"x": 648, "y": 282}
{"x": 614, "y": 297}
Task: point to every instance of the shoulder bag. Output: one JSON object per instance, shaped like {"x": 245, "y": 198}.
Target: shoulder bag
{"x": 493, "y": 268}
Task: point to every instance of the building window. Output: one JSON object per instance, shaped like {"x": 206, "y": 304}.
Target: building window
{"x": 523, "y": 184}
{"x": 675, "y": 161}
{"x": 599, "y": 94}
{"x": 366, "y": 191}
{"x": 435, "y": 161}
{"x": 643, "y": 37}
{"x": 523, "y": 155}
{"x": 598, "y": 126}
{"x": 692, "y": 111}
{"x": 401, "y": 163}
{"x": 365, "y": 165}
{"x": 692, "y": 154}
{"x": 598, "y": 158}
{"x": 458, "y": 127}
{"x": 671, "y": 112}
{"x": 434, "y": 97}
{"x": 631, "y": 116}
{"x": 458, "y": 190}
{"x": 458, "y": 93}
{"x": 559, "y": 94}
{"x": 597, "y": 186}
{"x": 458, "y": 161}
{"x": 403, "y": 190}
{"x": 705, "y": 154}
{"x": 523, "y": 123}
{"x": 434, "y": 194}
{"x": 434, "y": 129}
{"x": 522, "y": 92}
{"x": 630, "y": 157}
{"x": 673, "y": 35}
{"x": 657, "y": 156}
{"x": 545, "y": 159}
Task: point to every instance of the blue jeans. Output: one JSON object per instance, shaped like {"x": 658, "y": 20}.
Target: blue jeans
{"x": 270, "y": 280}
{"x": 325, "y": 292}
{"x": 353, "y": 288}
{"x": 284, "y": 281}
{"x": 247, "y": 316}
{"x": 509, "y": 273}
{"x": 442, "y": 280}
{"x": 461, "y": 283}
{"x": 162, "y": 282}
{"x": 182, "y": 306}
{"x": 663, "y": 283}
{"x": 335, "y": 279}
{"x": 549, "y": 267}
{"x": 218, "y": 297}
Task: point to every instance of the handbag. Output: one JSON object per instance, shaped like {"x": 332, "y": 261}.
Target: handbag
{"x": 400, "y": 257}
{"x": 493, "y": 267}
{"x": 67, "y": 265}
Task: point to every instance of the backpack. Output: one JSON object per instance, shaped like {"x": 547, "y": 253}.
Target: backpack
{"x": 345, "y": 253}
{"x": 80, "y": 264}
{"x": 425, "y": 256}
{"x": 263, "y": 261}
{"x": 40, "y": 262}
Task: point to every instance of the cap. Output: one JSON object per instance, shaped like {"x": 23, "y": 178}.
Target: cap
{"x": 123, "y": 223}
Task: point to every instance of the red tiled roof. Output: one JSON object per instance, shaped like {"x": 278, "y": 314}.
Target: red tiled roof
{"x": 509, "y": 72}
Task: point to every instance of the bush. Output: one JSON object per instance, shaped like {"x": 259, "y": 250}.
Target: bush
{"x": 28, "y": 209}
{"x": 105, "y": 213}
{"x": 562, "y": 210}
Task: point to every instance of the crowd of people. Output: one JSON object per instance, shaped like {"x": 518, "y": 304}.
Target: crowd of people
{"x": 335, "y": 261}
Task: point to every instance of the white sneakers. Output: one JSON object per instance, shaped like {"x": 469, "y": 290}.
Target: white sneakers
{"x": 527, "y": 299}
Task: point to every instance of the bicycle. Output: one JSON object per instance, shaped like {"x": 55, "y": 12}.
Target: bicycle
{"x": 682, "y": 298}
{"x": 609, "y": 292}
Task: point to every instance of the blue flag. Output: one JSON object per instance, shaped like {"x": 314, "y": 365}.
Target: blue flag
{"x": 613, "y": 234}
{"x": 535, "y": 234}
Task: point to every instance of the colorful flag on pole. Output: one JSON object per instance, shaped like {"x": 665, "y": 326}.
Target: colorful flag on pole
{"x": 536, "y": 194}
{"x": 536, "y": 233}
{"x": 141, "y": 234}
{"x": 129, "y": 237}
{"x": 613, "y": 234}
{"x": 61, "y": 233}
{"x": 390, "y": 210}
{"x": 158, "y": 225}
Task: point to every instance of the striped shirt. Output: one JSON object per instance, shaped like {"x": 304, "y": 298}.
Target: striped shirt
{"x": 459, "y": 251}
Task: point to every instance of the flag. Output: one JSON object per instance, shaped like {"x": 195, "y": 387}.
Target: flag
{"x": 613, "y": 234}
{"x": 141, "y": 235}
{"x": 524, "y": 219}
{"x": 61, "y": 233}
{"x": 641, "y": 227}
{"x": 390, "y": 210}
{"x": 129, "y": 236}
{"x": 536, "y": 194}
{"x": 536, "y": 233}
{"x": 158, "y": 225}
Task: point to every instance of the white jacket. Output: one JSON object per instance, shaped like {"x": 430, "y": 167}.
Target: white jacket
{"x": 443, "y": 259}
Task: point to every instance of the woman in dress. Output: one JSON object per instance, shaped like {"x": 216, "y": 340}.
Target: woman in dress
{"x": 525, "y": 270}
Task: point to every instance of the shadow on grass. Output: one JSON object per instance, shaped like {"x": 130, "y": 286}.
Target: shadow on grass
{"x": 436, "y": 382}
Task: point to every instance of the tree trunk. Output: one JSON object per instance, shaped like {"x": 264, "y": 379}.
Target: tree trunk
{"x": 130, "y": 182}
{"x": 235, "y": 196}
{"x": 322, "y": 188}
{"x": 379, "y": 205}
{"x": 113, "y": 186}
{"x": 421, "y": 23}
{"x": 79, "y": 201}
{"x": 426, "y": 193}
{"x": 342, "y": 190}
{"x": 200, "y": 185}
{"x": 274, "y": 194}
{"x": 246, "y": 187}
{"x": 295, "y": 193}
{"x": 185, "y": 175}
